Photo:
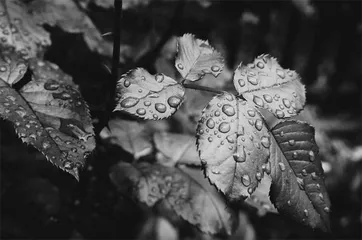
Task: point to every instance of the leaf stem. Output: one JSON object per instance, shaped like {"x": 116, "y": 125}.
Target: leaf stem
{"x": 201, "y": 88}
{"x": 116, "y": 47}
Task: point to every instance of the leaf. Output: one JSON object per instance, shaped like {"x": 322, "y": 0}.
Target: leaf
{"x": 153, "y": 184}
{"x": 67, "y": 15}
{"x": 50, "y": 115}
{"x": 298, "y": 188}
{"x": 196, "y": 57}
{"x": 20, "y": 31}
{"x": 233, "y": 144}
{"x": 267, "y": 85}
{"x": 12, "y": 67}
{"x": 132, "y": 136}
{"x": 148, "y": 96}
{"x": 176, "y": 148}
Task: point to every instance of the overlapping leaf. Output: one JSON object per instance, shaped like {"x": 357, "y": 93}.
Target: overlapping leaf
{"x": 298, "y": 188}
{"x": 147, "y": 96}
{"x": 175, "y": 190}
{"x": 196, "y": 57}
{"x": 176, "y": 148}
{"x": 233, "y": 144}
{"x": 49, "y": 114}
{"x": 267, "y": 85}
{"x": 19, "y": 30}
{"x": 12, "y": 67}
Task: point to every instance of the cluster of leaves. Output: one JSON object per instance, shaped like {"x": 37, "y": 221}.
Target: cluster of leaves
{"x": 236, "y": 146}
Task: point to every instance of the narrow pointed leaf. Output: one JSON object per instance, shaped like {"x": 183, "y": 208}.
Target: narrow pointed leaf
{"x": 52, "y": 116}
{"x": 267, "y": 85}
{"x": 176, "y": 148}
{"x": 148, "y": 96}
{"x": 298, "y": 188}
{"x": 20, "y": 30}
{"x": 176, "y": 190}
{"x": 233, "y": 144}
{"x": 196, "y": 57}
{"x": 132, "y": 136}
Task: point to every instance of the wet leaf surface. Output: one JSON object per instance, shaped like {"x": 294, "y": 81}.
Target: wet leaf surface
{"x": 196, "y": 57}
{"x": 267, "y": 85}
{"x": 233, "y": 144}
{"x": 171, "y": 187}
{"x": 148, "y": 96}
{"x": 298, "y": 188}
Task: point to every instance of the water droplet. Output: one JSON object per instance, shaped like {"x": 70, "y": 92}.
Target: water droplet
{"x": 250, "y": 190}
{"x": 241, "y": 82}
{"x": 46, "y": 145}
{"x": 266, "y": 167}
{"x": 180, "y": 66}
{"x": 155, "y": 117}
{"x": 251, "y": 122}
{"x": 321, "y": 196}
{"x": 21, "y": 113}
{"x": 215, "y": 171}
{"x": 276, "y": 97}
{"x": 51, "y": 85}
{"x": 82, "y": 147}
{"x": 311, "y": 156}
{"x": 215, "y": 68}
{"x": 279, "y": 113}
{"x": 160, "y": 107}
{"x": 289, "y": 203}
{"x": 230, "y": 139}
{"x": 306, "y": 212}
{"x": 228, "y": 110}
{"x": 258, "y": 101}
{"x": 258, "y": 124}
{"x": 224, "y": 127}
{"x": 3, "y": 69}
{"x": 260, "y": 65}
{"x": 129, "y": 102}
{"x": 314, "y": 175}
{"x": 326, "y": 209}
{"x": 291, "y": 142}
{"x": 74, "y": 150}
{"x": 174, "y": 101}
{"x": 159, "y": 77}
{"x": 295, "y": 155}
{"x": 265, "y": 142}
{"x": 251, "y": 113}
{"x": 267, "y": 98}
{"x": 154, "y": 95}
{"x": 210, "y": 123}
{"x": 280, "y": 73}
{"x": 258, "y": 176}
{"x": 217, "y": 113}
{"x": 286, "y": 102}
{"x": 126, "y": 83}
{"x": 240, "y": 156}
{"x": 141, "y": 111}
{"x": 281, "y": 166}
{"x": 252, "y": 80}
{"x": 147, "y": 103}
{"x": 281, "y": 106}
{"x": 304, "y": 172}
{"x": 246, "y": 180}
{"x": 68, "y": 165}
{"x": 318, "y": 186}
{"x": 209, "y": 139}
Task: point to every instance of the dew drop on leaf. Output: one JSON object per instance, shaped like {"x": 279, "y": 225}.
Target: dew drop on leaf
{"x": 258, "y": 101}
{"x": 173, "y": 101}
{"x": 281, "y": 166}
{"x": 280, "y": 73}
{"x": 291, "y": 142}
{"x": 295, "y": 155}
{"x": 129, "y": 102}
{"x": 224, "y": 127}
{"x": 245, "y": 180}
{"x": 215, "y": 68}
{"x": 251, "y": 113}
{"x": 260, "y": 65}
{"x": 279, "y": 113}
{"x": 286, "y": 103}
{"x": 265, "y": 141}
{"x": 311, "y": 156}
{"x": 160, "y": 107}
{"x": 180, "y": 66}
{"x": 252, "y": 80}
{"x": 258, "y": 176}
{"x": 141, "y": 111}
{"x": 210, "y": 123}
{"x": 230, "y": 139}
{"x": 241, "y": 82}
{"x": 267, "y": 98}
{"x": 159, "y": 77}
{"x": 258, "y": 124}
{"x": 209, "y": 139}
{"x": 147, "y": 103}
{"x": 228, "y": 110}
{"x": 126, "y": 83}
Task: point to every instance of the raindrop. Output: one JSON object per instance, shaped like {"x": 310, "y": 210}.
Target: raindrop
{"x": 228, "y": 110}
{"x": 126, "y": 83}
{"x": 3, "y": 69}
{"x": 251, "y": 122}
{"x": 217, "y": 113}
{"x": 141, "y": 111}
{"x": 159, "y": 77}
{"x": 68, "y": 165}
{"x": 155, "y": 117}
{"x": 252, "y": 80}
{"x": 295, "y": 155}
{"x": 258, "y": 176}
{"x": 240, "y": 157}
{"x": 293, "y": 105}
{"x": 82, "y": 147}
{"x": 51, "y": 85}
{"x": 291, "y": 142}
{"x": 215, "y": 171}
{"x": 215, "y": 68}
{"x": 266, "y": 167}
{"x": 250, "y": 190}
{"x": 306, "y": 212}
{"x": 281, "y": 106}
{"x": 279, "y": 113}
{"x": 281, "y": 134}
{"x": 258, "y": 124}
{"x": 289, "y": 203}
{"x": 154, "y": 95}
{"x": 65, "y": 96}
{"x": 78, "y": 103}
{"x": 209, "y": 139}
{"x": 280, "y": 73}
{"x": 265, "y": 142}
{"x": 46, "y": 145}
{"x": 311, "y": 156}
{"x": 286, "y": 102}
{"x": 321, "y": 196}
{"x": 174, "y": 101}
{"x": 281, "y": 166}
{"x": 147, "y": 103}
{"x": 27, "y": 125}
{"x": 304, "y": 172}
{"x": 251, "y": 113}
{"x": 326, "y": 209}
{"x": 260, "y": 65}
{"x": 180, "y": 66}
{"x": 268, "y": 98}
{"x": 314, "y": 175}
{"x": 160, "y": 107}
{"x": 210, "y": 123}
{"x": 258, "y": 101}
{"x": 230, "y": 139}
{"x": 201, "y": 131}
{"x": 74, "y": 150}
{"x": 230, "y": 147}
{"x": 129, "y": 102}
{"x": 224, "y": 127}
{"x": 215, "y": 132}
{"x": 246, "y": 180}
{"x": 241, "y": 82}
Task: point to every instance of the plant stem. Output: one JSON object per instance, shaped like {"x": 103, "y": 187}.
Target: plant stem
{"x": 201, "y": 88}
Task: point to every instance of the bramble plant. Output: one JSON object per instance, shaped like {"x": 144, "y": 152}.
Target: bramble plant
{"x": 237, "y": 148}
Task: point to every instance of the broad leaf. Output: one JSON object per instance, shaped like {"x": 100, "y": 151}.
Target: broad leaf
{"x": 148, "y": 96}
{"x": 50, "y": 115}
{"x": 67, "y": 15}
{"x": 132, "y": 136}
{"x": 298, "y": 188}
{"x": 196, "y": 57}
{"x": 267, "y": 85}
{"x": 154, "y": 184}
{"x": 20, "y": 31}
{"x": 176, "y": 148}
{"x": 233, "y": 144}
{"x": 12, "y": 67}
